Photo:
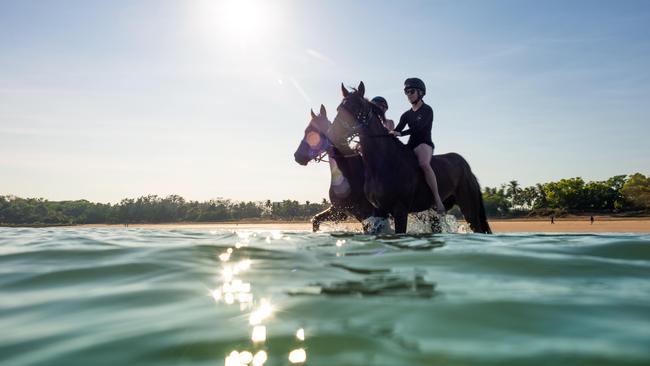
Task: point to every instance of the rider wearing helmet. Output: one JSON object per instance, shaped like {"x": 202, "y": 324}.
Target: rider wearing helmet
{"x": 420, "y": 120}
{"x": 383, "y": 104}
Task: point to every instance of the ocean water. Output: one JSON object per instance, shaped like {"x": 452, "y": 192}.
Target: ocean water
{"x": 79, "y": 296}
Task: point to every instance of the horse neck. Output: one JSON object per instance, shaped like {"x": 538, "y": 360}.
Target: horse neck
{"x": 342, "y": 161}
{"x": 339, "y": 144}
{"x": 379, "y": 153}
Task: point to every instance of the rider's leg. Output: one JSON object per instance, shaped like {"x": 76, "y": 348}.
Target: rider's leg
{"x": 424, "y": 153}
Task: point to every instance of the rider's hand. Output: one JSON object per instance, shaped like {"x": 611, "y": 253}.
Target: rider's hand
{"x": 394, "y": 133}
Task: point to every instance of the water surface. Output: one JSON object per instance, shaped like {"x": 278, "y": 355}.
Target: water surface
{"x": 71, "y": 296}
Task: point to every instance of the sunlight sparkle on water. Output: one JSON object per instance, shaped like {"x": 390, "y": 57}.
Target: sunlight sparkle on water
{"x": 259, "y": 333}
{"x": 264, "y": 311}
{"x": 245, "y": 357}
{"x": 260, "y": 358}
{"x": 243, "y": 265}
{"x": 216, "y": 295}
{"x": 244, "y": 236}
{"x": 227, "y": 273}
{"x": 298, "y": 356}
{"x": 232, "y": 359}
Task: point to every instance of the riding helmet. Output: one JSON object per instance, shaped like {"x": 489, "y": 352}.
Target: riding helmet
{"x": 381, "y": 101}
{"x": 415, "y": 83}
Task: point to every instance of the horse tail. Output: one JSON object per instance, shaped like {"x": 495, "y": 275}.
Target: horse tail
{"x": 481, "y": 211}
{"x": 474, "y": 209}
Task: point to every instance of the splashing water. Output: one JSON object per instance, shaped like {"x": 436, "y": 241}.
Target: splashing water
{"x": 418, "y": 223}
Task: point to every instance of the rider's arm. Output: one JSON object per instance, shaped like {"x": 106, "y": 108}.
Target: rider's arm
{"x": 401, "y": 125}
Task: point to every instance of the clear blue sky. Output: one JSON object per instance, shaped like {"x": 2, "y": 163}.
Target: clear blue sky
{"x": 113, "y": 99}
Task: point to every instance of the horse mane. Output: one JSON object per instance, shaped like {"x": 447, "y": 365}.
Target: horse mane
{"x": 377, "y": 111}
{"x": 382, "y": 117}
{"x": 373, "y": 107}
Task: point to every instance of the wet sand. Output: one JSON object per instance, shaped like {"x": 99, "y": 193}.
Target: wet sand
{"x": 582, "y": 225}
{"x": 571, "y": 225}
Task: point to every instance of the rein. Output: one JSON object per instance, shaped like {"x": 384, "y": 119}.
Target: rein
{"x": 321, "y": 157}
{"x": 362, "y": 119}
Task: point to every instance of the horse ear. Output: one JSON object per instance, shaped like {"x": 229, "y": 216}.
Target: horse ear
{"x": 313, "y": 115}
{"x": 323, "y": 112}
{"x": 344, "y": 91}
{"x": 361, "y": 89}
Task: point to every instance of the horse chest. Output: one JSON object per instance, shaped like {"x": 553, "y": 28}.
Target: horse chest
{"x": 377, "y": 191}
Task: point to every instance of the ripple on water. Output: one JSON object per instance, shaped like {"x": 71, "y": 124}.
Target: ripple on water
{"x": 73, "y": 296}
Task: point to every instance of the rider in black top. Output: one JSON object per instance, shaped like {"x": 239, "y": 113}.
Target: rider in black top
{"x": 420, "y": 121}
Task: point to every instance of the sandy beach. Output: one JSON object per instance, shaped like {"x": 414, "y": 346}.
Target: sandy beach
{"x": 570, "y": 225}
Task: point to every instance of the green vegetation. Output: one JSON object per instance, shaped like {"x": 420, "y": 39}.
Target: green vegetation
{"x": 148, "y": 209}
{"x": 619, "y": 194}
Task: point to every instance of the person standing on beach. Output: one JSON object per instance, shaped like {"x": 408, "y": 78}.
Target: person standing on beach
{"x": 591, "y": 219}
{"x": 552, "y": 220}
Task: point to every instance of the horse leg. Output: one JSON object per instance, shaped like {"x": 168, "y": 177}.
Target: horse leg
{"x": 331, "y": 214}
{"x": 434, "y": 219}
{"x": 449, "y": 202}
{"x": 401, "y": 220}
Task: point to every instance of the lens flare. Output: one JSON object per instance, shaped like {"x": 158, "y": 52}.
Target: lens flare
{"x": 313, "y": 139}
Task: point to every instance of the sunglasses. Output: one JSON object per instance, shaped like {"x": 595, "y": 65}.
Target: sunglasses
{"x": 409, "y": 91}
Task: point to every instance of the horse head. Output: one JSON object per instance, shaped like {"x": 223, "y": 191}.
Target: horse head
{"x": 315, "y": 141}
{"x": 357, "y": 115}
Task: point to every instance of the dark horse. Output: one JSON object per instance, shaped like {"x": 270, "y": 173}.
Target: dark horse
{"x": 346, "y": 166}
{"x": 394, "y": 183}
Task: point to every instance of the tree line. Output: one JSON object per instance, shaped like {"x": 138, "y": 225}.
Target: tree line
{"x": 618, "y": 194}
{"x": 149, "y": 209}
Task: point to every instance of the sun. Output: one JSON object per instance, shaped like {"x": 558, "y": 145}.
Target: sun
{"x": 245, "y": 22}
{"x": 244, "y": 18}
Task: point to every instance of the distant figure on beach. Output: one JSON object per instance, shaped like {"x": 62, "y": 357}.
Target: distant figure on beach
{"x": 591, "y": 219}
{"x": 552, "y": 220}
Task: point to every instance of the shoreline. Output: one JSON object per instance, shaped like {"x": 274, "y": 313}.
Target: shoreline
{"x": 562, "y": 225}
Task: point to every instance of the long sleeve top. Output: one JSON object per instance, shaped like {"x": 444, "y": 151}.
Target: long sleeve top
{"x": 420, "y": 123}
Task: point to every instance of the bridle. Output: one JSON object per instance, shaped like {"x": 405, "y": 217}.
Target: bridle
{"x": 362, "y": 117}
{"x": 326, "y": 148}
